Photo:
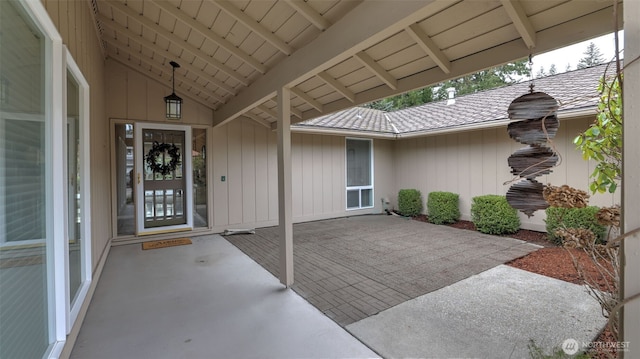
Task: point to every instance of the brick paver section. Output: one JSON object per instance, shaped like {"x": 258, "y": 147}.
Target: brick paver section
{"x": 352, "y": 268}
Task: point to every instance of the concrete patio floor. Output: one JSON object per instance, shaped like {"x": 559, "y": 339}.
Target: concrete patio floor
{"x": 209, "y": 300}
{"x": 352, "y": 268}
{"x": 495, "y": 314}
{"x": 205, "y": 300}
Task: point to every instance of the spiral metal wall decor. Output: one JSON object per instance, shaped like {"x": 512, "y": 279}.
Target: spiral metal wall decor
{"x": 536, "y": 121}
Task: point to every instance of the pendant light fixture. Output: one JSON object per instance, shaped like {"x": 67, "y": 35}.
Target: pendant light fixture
{"x": 173, "y": 101}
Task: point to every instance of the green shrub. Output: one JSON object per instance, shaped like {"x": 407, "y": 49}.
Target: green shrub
{"x": 409, "y": 202}
{"x": 573, "y": 218}
{"x": 442, "y": 207}
{"x": 493, "y": 215}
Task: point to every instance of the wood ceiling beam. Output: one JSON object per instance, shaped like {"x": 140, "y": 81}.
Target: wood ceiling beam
{"x": 308, "y": 99}
{"x": 271, "y": 113}
{"x": 377, "y": 70}
{"x": 175, "y": 40}
{"x": 337, "y": 86}
{"x": 113, "y": 26}
{"x": 210, "y": 35}
{"x": 254, "y": 26}
{"x": 296, "y": 112}
{"x": 580, "y": 29}
{"x": 257, "y": 119}
{"x": 424, "y": 41}
{"x": 353, "y": 33}
{"x": 310, "y": 14}
{"x": 121, "y": 59}
{"x": 520, "y": 21}
{"x": 150, "y": 62}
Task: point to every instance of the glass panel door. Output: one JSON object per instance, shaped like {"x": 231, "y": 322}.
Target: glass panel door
{"x": 199, "y": 162}
{"x": 125, "y": 179}
{"x": 164, "y": 180}
{"x": 73, "y": 182}
{"x": 25, "y": 237}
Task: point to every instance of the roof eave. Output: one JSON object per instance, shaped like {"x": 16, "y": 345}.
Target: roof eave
{"x": 562, "y": 115}
{"x": 342, "y": 132}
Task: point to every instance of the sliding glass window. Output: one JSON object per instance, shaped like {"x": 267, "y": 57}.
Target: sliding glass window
{"x": 359, "y": 173}
{"x": 24, "y": 235}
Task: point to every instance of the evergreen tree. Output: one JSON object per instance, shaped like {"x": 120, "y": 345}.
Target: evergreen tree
{"x": 407, "y": 99}
{"x": 568, "y": 68}
{"x": 498, "y": 76}
{"x": 592, "y": 57}
{"x": 484, "y": 80}
{"x": 552, "y": 69}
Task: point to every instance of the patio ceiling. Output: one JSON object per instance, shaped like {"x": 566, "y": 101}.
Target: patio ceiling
{"x": 333, "y": 54}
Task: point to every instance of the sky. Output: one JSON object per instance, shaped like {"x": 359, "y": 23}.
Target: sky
{"x": 572, "y": 54}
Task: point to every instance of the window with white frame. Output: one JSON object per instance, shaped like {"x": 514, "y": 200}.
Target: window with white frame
{"x": 45, "y": 269}
{"x": 359, "y": 159}
{"x": 26, "y": 240}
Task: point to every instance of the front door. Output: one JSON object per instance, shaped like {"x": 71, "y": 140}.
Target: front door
{"x": 163, "y": 178}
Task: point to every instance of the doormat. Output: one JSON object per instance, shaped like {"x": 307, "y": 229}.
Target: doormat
{"x": 166, "y": 243}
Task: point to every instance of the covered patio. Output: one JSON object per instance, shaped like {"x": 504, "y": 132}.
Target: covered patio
{"x": 80, "y": 78}
{"x": 403, "y": 288}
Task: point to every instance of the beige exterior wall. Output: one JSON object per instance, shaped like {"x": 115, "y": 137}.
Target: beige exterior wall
{"x": 244, "y": 152}
{"x": 134, "y": 96}
{"x": 475, "y": 163}
{"x": 76, "y": 26}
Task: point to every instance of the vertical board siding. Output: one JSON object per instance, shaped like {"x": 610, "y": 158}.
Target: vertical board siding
{"x": 338, "y": 168}
{"x": 234, "y": 179}
{"x": 75, "y": 24}
{"x": 441, "y": 151}
{"x": 246, "y": 153}
{"x": 474, "y": 163}
{"x": 579, "y": 177}
{"x": 262, "y": 174}
{"x": 272, "y": 138}
{"x": 296, "y": 174}
{"x": 464, "y": 171}
{"x": 422, "y": 170}
{"x": 489, "y": 162}
{"x": 118, "y": 98}
{"x": 384, "y": 185}
{"x": 307, "y": 174}
{"x": 248, "y": 176}
{"x": 451, "y": 174}
{"x": 136, "y": 84}
{"x": 155, "y": 111}
{"x": 327, "y": 174}
{"x": 429, "y": 157}
{"x": 318, "y": 170}
{"x": 220, "y": 169}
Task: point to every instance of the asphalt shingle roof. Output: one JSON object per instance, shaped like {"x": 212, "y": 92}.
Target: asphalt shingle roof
{"x": 574, "y": 90}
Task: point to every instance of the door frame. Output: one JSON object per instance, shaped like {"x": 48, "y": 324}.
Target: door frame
{"x": 139, "y": 184}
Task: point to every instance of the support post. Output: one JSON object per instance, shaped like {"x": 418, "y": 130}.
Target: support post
{"x": 630, "y": 324}
{"x": 285, "y": 216}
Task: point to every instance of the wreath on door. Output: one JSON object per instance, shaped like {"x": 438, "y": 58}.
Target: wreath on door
{"x": 154, "y": 158}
